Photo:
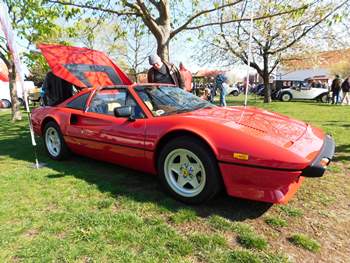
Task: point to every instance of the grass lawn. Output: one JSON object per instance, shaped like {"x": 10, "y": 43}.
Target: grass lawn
{"x": 83, "y": 210}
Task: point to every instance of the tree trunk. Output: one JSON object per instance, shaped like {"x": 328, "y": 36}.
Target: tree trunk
{"x": 163, "y": 48}
{"x": 267, "y": 95}
{"x": 266, "y": 78}
{"x": 15, "y": 104}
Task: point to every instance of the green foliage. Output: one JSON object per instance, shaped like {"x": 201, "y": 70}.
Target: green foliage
{"x": 242, "y": 256}
{"x": 219, "y": 223}
{"x": 251, "y": 240}
{"x": 208, "y": 242}
{"x": 183, "y": 216}
{"x": 305, "y": 242}
{"x": 291, "y": 211}
{"x": 276, "y": 222}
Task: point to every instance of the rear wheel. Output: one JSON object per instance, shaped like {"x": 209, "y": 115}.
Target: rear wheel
{"x": 286, "y": 97}
{"x": 324, "y": 98}
{"x": 189, "y": 171}
{"x": 235, "y": 93}
{"x": 54, "y": 142}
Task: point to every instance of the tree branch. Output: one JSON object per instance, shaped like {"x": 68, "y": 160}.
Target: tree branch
{"x": 245, "y": 19}
{"x": 5, "y": 60}
{"x": 184, "y": 26}
{"x": 305, "y": 31}
{"x": 119, "y": 13}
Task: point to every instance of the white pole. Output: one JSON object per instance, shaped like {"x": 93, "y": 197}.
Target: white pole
{"x": 249, "y": 57}
{"x": 8, "y": 32}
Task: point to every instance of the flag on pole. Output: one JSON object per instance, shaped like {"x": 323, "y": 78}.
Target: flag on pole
{"x": 9, "y": 35}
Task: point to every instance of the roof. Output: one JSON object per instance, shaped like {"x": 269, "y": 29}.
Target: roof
{"x": 316, "y": 60}
{"x": 208, "y": 73}
{"x": 305, "y": 74}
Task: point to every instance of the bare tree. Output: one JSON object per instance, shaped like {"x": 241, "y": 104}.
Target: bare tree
{"x": 139, "y": 47}
{"x": 166, "y": 19}
{"x": 273, "y": 37}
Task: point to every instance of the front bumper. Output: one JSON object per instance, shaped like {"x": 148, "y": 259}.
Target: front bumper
{"x": 319, "y": 165}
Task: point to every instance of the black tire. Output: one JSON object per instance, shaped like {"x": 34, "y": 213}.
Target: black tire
{"x": 324, "y": 98}
{"x": 286, "y": 96}
{"x": 210, "y": 181}
{"x": 62, "y": 152}
{"x": 235, "y": 93}
{"x": 6, "y": 103}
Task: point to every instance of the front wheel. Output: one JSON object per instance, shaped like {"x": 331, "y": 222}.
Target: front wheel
{"x": 189, "y": 171}
{"x": 54, "y": 142}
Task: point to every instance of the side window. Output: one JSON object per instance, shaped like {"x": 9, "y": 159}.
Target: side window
{"x": 79, "y": 103}
{"x": 137, "y": 111}
{"x": 106, "y": 100}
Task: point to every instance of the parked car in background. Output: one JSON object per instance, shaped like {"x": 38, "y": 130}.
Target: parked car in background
{"x": 303, "y": 93}
{"x": 5, "y": 97}
{"x": 233, "y": 90}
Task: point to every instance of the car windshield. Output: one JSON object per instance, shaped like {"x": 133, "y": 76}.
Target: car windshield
{"x": 169, "y": 100}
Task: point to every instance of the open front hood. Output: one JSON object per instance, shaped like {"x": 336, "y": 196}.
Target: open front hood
{"x": 83, "y": 67}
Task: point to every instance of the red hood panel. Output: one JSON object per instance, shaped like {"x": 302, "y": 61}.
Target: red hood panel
{"x": 83, "y": 67}
{"x": 275, "y": 128}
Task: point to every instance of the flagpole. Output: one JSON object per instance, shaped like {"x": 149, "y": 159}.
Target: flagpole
{"x": 8, "y": 32}
{"x": 249, "y": 57}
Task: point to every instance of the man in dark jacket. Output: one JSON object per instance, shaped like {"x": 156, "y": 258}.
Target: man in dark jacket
{"x": 163, "y": 72}
{"x": 335, "y": 89}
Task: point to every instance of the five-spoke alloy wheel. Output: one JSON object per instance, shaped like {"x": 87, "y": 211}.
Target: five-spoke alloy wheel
{"x": 189, "y": 170}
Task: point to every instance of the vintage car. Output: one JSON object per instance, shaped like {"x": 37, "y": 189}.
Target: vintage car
{"x": 196, "y": 148}
{"x": 304, "y": 93}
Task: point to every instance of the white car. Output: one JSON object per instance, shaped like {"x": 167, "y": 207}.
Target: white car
{"x": 303, "y": 93}
{"x": 5, "y": 92}
{"x": 232, "y": 89}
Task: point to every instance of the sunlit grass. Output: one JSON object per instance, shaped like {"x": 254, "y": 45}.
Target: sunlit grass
{"x": 82, "y": 210}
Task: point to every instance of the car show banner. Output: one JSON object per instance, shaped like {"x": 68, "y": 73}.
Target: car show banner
{"x": 11, "y": 44}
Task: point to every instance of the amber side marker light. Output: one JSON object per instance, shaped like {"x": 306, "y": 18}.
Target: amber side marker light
{"x": 241, "y": 156}
{"x": 324, "y": 162}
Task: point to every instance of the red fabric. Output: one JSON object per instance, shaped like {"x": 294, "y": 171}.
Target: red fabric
{"x": 187, "y": 77}
{"x": 57, "y": 56}
{"x": 4, "y": 77}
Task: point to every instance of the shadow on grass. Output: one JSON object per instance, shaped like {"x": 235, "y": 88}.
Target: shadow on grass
{"x": 119, "y": 181}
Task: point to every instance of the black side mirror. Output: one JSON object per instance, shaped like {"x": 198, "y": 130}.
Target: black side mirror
{"x": 124, "y": 111}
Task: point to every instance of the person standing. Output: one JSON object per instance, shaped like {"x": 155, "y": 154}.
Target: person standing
{"x": 186, "y": 76}
{"x": 345, "y": 87}
{"x": 163, "y": 72}
{"x": 335, "y": 88}
{"x": 222, "y": 86}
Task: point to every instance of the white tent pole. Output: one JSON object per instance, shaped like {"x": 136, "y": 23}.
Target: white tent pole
{"x": 8, "y": 32}
{"x": 249, "y": 57}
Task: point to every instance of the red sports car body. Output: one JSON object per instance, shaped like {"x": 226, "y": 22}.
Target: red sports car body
{"x": 194, "y": 146}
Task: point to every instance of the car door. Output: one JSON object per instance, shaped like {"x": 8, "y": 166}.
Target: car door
{"x": 99, "y": 134}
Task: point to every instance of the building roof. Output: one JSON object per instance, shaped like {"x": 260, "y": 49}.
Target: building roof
{"x": 316, "y": 60}
{"x": 300, "y": 75}
{"x": 208, "y": 73}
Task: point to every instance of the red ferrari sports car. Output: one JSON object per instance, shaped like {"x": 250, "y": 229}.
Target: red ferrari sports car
{"x": 195, "y": 147}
